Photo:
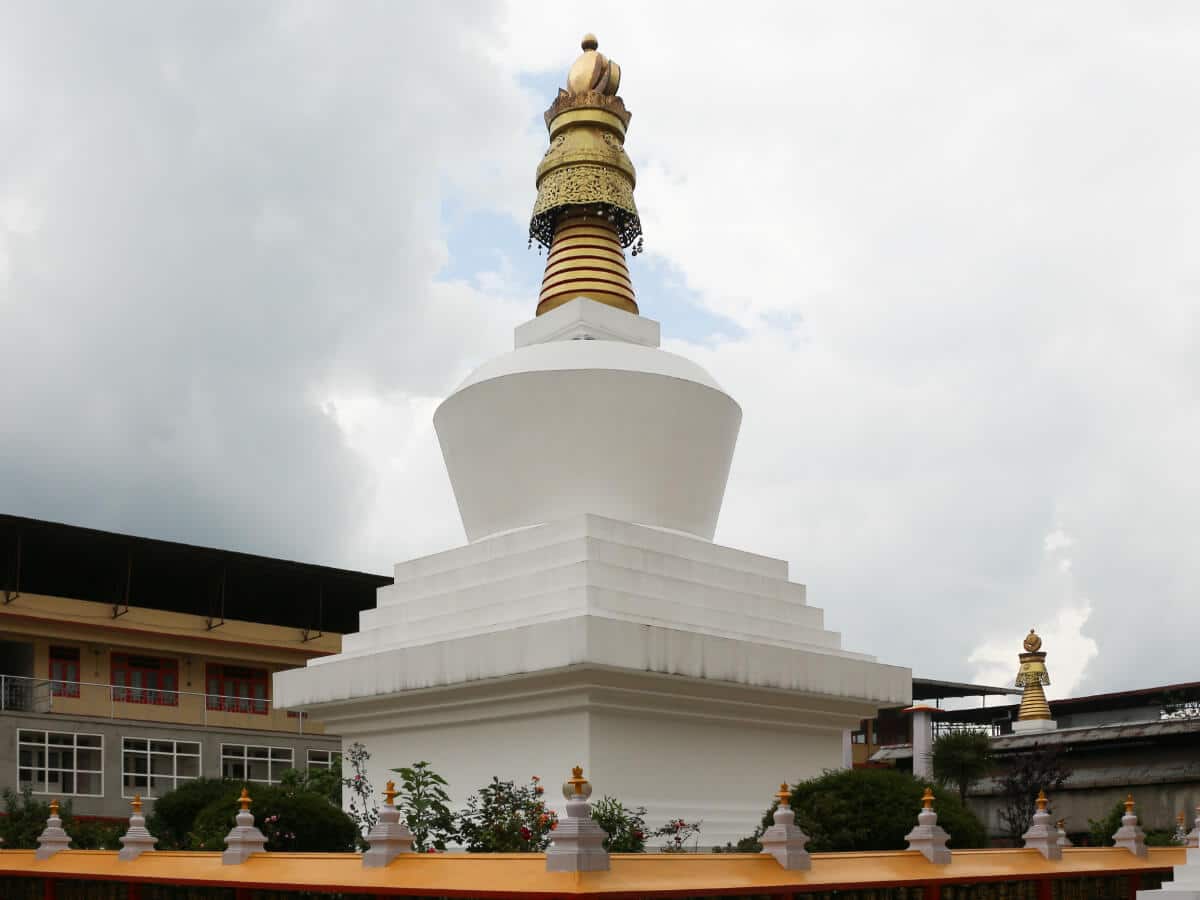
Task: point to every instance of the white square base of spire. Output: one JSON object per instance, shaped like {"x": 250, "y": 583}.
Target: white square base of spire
{"x": 1034, "y": 726}
{"x": 582, "y": 319}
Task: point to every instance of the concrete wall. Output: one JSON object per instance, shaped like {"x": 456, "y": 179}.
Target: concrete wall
{"x": 113, "y": 731}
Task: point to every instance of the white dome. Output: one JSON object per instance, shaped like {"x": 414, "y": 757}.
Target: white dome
{"x": 588, "y": 426}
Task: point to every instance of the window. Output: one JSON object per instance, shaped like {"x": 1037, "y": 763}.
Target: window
{"x": 145, "y": 679}
{"x": 57, "y": 762}
{"x": 323, "y": 759}
{"x": 152, "y": 767}
{"x": 64, "y": 671}
{"x": 245, "y": 763}
{"x": 237, "y": 689}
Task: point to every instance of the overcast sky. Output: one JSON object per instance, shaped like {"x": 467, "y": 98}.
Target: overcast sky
{"x": 943, "y": 254}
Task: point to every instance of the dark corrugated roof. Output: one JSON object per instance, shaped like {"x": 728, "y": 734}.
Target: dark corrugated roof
{"x": 55, "y": 559}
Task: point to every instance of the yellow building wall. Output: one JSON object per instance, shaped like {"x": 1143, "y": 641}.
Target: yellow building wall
{"x": 45, "y": 621}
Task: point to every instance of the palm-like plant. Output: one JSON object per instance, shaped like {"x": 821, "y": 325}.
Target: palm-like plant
{"x": 960, "y": 759}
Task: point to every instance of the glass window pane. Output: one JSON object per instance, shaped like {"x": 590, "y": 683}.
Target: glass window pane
{"x": 134, "y": 744}
{"x": 89, "y": 740}
{"x": 188, "y": 747}
{"x": 188, "y": 766}
{"x": 89, "y": 759}
{"x": 162, "y": 746}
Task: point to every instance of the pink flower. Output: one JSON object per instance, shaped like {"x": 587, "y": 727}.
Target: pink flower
{"x": 431, "y": 850}
{"x": 526, "y": 834}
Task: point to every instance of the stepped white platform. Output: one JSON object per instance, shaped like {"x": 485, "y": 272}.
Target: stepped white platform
{"x": 685, "y": 677}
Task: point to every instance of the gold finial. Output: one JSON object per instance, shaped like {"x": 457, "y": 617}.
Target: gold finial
{"x": 784, "y": 795}
{"x": 927, "y": 799}
{"x": 244, "y": 800}
{"x": 54, "y": 807}
{"x": 1041, "y": 801}
{"x": 1181, "y": 819}
{"x": 1061, "y": 824}
{"x": 577, "y": 781}
{"x": 589, "y": 42}
{"x": 136, "y": 803}
{"x": 390, "y": 794}
{"x": 1129, "y": 804}
{"x": 1033, "y": 643}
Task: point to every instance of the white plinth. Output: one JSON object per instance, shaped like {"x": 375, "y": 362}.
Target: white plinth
{"x": 684, "y": 676}
{"x": 1185, "y": 884}
{"x": 1034, "y": 726}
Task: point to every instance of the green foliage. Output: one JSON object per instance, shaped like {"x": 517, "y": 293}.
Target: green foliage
{"x": 960, "y": 759}
{"x": 748, "y": 844}
{"x": 290, "y": 819}
{"x": 1100, "y": 831}
{"x": 363, "y": 808}
{"x": 25, "y": 818}
{"x": 174, "y": 813}
{"x": 678, "y": 833}
{"x": 423, "y": 801}
{"x": 326, "y": 782}
{"x": 505, "y": 818}
{"x": 873, "y": 809}
{"x": 624, "y": 825}
{"x": 1026, "y": 773}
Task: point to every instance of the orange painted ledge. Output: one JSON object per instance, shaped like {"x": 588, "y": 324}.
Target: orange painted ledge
{"x": 506, "y": 875}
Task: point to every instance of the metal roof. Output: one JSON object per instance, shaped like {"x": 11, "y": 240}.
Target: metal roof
{"x": 934, "y": 689}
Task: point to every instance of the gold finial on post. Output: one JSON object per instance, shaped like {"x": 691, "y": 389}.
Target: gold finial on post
{"x": 1129, "y": 804}
{"x": 136, "y": 803}
{"x": 784, "y": 795}
{"x": 390, "y": 794}
{"x": 577, "y": 781}
{"x": 244, "y": 799}
{"x": 927, "y": 799}
{"x": 1041, "y": 801}
{"x": 1061, "y": 824}
{"x": 1181, "y": 819}
{"x": 54, "y": 807}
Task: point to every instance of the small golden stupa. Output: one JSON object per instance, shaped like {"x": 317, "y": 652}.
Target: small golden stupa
{"x": 1032, "y": 677}
{"x": 585, "y": 212}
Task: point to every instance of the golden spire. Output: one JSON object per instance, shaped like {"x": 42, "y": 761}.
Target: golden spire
{"x": 54, "y": 807}
{"x": 784, "y": 796}
{"x": 1041, "y": 801}
{"x": 136, "y": 803}
{"x": 577, "y": 781}
{"x": 390, "y": 794}
{"x": 1032, "y": 676}
{"x": 1128, "y": 804}
{"x": 584, "y": 211}
{"x": 244, "y": 799}
{"x": 927, "y": 799}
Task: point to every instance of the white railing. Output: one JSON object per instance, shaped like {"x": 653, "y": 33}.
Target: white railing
{"x": 19, "y": 693}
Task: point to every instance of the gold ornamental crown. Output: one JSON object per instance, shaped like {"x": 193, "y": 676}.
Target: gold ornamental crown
{"x": 1033, "y": 643}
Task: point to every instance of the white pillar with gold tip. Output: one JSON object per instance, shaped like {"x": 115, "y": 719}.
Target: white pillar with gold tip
{"x": 1042, "y": 836}
{"x": 137, "y": 840}
{"x": 53, "y": 838}
{"x": 578, "y": 842}
{"x": 929, "y": 837}
{"x": 1130, "y": 834}
{"x": 1061, "y": 828}
{"x": 244, "y": 839}
{"x": 784, "y": 840}
{"x": 390, "y": 837}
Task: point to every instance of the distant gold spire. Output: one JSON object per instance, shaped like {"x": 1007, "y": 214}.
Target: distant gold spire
{"x": 584, "y": 211}
{"x": 1032, "y": 676}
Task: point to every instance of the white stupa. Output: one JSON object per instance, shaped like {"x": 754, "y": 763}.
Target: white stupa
{"x": 590, "y": 619}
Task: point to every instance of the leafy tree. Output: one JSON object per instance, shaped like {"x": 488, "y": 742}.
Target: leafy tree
{"x": 1024, "y": 774}
{"x": 506, "y": 818}
{"x": 870, "y": 809}
{"x": 961, "y": 759}
{"x": 294, "y": 820}
{"x": 326, "y": 782}
{"x": 423, "y": 801}
{"x": 173, "y": 816}
{"x": 624, "y": 825}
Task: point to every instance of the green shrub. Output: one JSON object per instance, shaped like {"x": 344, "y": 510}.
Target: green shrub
{"x": 505, "y": 818}
{"x": 1101, "y": 831}
{"x": 423, "y": 802}
{"x": 290, "y": 820}
{"x": 25, "y": 818}
{"x": 873, "y": 809}
{"x": 624, "y": 825}
{"x": 97, "y": 834}
{"x": 173, "y": 816}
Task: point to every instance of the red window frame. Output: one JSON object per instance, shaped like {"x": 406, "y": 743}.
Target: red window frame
{"x": 153, "y": 680}
{"x": 64, "y": 668}
{"x": 230, "y": 688}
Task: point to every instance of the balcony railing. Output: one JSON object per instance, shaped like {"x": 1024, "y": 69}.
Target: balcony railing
{"x": 20, "y": 693}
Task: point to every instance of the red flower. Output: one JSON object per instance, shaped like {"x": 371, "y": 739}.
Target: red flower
{"x": 526, "y": 834}
{"x": 539, "y": 790}
{"x": 431, "y": 850}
